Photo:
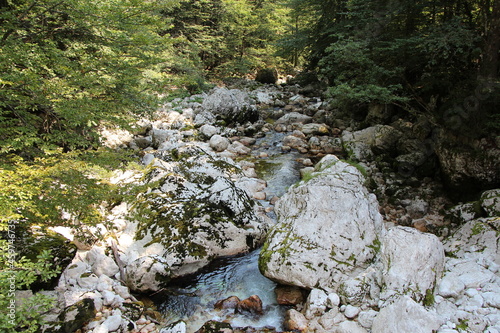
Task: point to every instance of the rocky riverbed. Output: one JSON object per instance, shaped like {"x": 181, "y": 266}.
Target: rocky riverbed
{"x": 368, "y": 241}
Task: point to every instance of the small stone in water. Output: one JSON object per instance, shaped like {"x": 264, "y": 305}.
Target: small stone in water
{"x": 259, "y": 196}
{"x": 252, "y": 304}
{"x": 273, "y": 200}
{"x": 228, "y": 303}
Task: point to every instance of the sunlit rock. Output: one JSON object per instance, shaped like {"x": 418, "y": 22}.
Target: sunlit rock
{"x": 294, "y": 117}
{"x": 295, "y": 321}
{"x": 405, "y": 315}
{"x": 413, "y": 262}
{"x": 189, "y": 213}
{"x": 328, "y": 229}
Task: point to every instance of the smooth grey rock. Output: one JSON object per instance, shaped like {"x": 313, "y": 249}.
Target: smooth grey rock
{"x": 219, "y": 143}
{"x": 349, "y": 327}
{"x": 365, "y": 318}
{"x": 333, "y": 300}
{"x": 88, "y": 282}
{"x": 294, "y": 117}
{"x": 351, "y": 311}
{"x": 450, "y": 286}
{"x": 209, "y": 130}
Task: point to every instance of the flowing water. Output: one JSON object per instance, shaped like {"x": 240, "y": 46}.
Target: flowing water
{"x": 192, "y": 299}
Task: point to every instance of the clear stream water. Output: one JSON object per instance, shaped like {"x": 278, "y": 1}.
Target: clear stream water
{"x": 192, "y": 299}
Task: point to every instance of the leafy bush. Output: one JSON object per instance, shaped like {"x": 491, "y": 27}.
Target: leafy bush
{"x": 24, "y": 315}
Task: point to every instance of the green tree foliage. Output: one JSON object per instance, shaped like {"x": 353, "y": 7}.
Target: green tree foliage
{"x": 67, "y": 68}
{"x": 423, "y": 56}
{"x": 224, "y": 37}
{"x": 293, "y": 46}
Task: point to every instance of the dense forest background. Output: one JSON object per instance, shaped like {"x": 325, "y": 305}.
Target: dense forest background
{"x": 70, "y": 67}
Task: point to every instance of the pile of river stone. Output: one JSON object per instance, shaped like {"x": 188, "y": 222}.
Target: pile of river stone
{"x": 353, "y": 265}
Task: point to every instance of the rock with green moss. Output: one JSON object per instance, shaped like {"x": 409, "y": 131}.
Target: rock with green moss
{"x": 147, "y": 273}
{"x": 463, "y": 213}
{"x": 362, "y": 145}
{"x": 213, "y": 326}
{"x": 188, "y": 213}
{"x": 476, "y": 237}
{"x": 74, "y": 317}
{"x": 327, "y": 229}
{"x": 490, "y": 201}
{"x": 413, "y": 263}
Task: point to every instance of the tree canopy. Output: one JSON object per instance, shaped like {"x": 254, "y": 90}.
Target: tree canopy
{"x": 423, "y": 56}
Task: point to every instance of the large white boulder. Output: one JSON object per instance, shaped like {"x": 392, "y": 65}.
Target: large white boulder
{"x": 413, "y": 262}
{"x": 189, "y": 213}
{"x": 328, "y": 229}
{"x": 232, "y": 105}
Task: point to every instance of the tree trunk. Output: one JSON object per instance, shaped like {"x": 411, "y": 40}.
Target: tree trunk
{"x": 489, "y": 65}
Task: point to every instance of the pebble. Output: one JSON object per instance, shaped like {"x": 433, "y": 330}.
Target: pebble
{"x": 112, "y": 323}
{"x": 273, "y": 200}
{"x": 365, "y": 318}
{"x": 142, "y": 321}
{"x": 259, "y": 195}
{"x": 307, "y": 162}
{"x": 351, "y": 311}
{"x": 333, "y": 300}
